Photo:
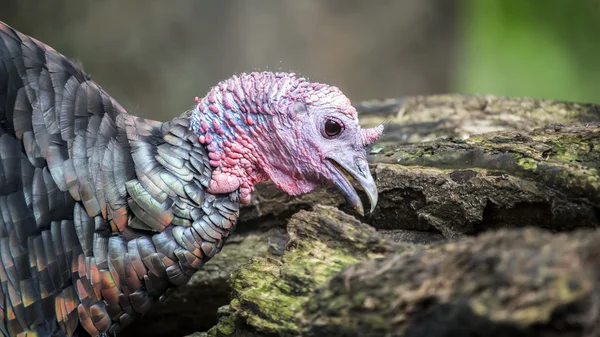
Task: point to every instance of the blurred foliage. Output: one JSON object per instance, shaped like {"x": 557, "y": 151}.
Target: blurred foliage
{"x": 537, "y": 48}
{"x": 155, "y": 56}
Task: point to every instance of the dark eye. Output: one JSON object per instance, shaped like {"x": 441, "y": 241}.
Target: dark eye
{"x": 333, "y": 128}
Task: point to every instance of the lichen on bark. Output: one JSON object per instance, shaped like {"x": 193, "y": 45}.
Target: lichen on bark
{"x": 268, "y": 293}
{"x": 425, "y": 118}
{"x": 566, "y": 157}
{"x": 448, "y": 166}
{"x": 546, "y": 178}
{"x": 505, "y": 283}
{"x": 519, "y": 282}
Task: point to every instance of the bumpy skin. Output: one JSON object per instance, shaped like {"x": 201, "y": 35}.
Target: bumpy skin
{"x": 259, "y": 127}
{"x": 102, "y": 212}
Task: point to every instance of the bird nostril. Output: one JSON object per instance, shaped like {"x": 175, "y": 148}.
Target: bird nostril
{"x": 362, "y": 166}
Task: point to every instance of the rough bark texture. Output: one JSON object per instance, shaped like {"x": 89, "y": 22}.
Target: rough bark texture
{"x": 268, "y": 293}
{"x": 512, "y": 176}
{"x": 423, "y": 118}
{"x": 546, "y": 178}
{"x": 520, "y": 282}
{"x": 505, "y": 283}
{"x": 520, "y": 173}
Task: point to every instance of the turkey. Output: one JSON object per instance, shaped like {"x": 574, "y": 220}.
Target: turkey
{"x": 103, "y": 212}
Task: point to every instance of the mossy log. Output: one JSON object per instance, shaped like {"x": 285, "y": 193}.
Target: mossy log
{"x": 547, "y": 178}
{"x": 268, "y": 292}
{"x": 434, "y": 182}
{"x": 509, "y": 283}
{"x": 338, "y": 277}
{"x": 427, "y": 119}
{"x": 424, "y": 118}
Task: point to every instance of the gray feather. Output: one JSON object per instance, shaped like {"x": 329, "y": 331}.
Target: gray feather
{"x": 100, "y": 212}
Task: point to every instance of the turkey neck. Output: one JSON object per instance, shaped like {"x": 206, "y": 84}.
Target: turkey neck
{"x": 103, "y": 212}
{"x": 155, "y": 174}
{"x": 141, "y": 168}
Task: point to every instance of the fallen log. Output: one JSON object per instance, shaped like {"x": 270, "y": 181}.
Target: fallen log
{"x": 268, "y": 293}
{"x": 521, "y": 173}
{"x": 546, "y": 178}
{"x": 434, "y": 181}
{"x": 503, "y": 284}
{"x": 337, "y": 277}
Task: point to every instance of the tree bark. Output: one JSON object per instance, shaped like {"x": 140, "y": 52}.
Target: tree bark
{"x": 525, "y": 173}
{"x": 269, "y": 293}
{"x": 505, "y": 283}
{"x": 545, "y": 178}
{"x": 338, "y": 277}
{"x": 434, "y": 184}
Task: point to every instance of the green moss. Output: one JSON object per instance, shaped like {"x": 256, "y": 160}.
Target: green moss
{"x": 212, "y": 332}
{"x": 258, "y": 285}
{"x": 560, "y": 292}
{"x": 568, "y": 149}
{"x": 268, "y": 296}
{"x": 227, "y": 322}
{"x": 322, "y": 262}
{"x": 376, "y": 320}
{"x": 227, "y": 326}
{"x": 527, "y": 163}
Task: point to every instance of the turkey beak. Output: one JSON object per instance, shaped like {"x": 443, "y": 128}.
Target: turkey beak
{"x": 359, "y": 171}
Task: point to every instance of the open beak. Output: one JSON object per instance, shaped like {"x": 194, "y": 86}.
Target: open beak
{"x": 358, "y": 169}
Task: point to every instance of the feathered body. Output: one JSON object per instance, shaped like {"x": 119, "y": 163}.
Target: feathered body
{"x": 102, "y": 212}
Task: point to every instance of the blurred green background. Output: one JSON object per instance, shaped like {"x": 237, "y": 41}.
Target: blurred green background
{"x": 155, "y": 56}
{"x": 538, "y": 48}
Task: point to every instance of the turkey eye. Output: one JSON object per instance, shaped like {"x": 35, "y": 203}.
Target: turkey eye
{"x": 332, "y": 128}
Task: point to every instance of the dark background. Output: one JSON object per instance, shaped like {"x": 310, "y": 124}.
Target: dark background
{"x": 155, "y": 56}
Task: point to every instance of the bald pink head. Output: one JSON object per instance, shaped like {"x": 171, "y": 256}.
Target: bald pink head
{"x": 276, "y": 126}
